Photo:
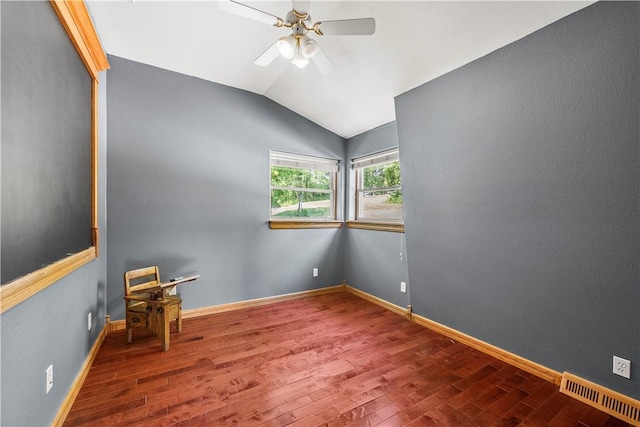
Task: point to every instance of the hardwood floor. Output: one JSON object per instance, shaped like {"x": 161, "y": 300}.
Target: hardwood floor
{"x": 333, "y": 360}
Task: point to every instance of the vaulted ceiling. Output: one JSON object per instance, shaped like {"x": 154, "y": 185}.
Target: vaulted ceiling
{"x": 414, "y": 42}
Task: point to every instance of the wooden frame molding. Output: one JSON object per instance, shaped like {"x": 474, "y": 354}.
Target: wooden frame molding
{"x": 67, "y": 403}
{"x": 24, "y": 287}
{"x": 377, "y": 226}
{"x": 285, "y": 225}
{"x": 76, "y": 21}
{"x": 95, "y": 232}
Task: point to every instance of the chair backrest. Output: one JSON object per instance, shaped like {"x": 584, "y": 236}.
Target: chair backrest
{"x": 136, "y": 281}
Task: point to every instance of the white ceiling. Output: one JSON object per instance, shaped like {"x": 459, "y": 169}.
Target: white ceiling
{"x": 414, "y": 42}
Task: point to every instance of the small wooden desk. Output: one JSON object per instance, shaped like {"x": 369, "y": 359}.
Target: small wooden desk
{"x": 162, "y": 309}
{"x": 162, "y": 291}
{"x": 160, "y": 321}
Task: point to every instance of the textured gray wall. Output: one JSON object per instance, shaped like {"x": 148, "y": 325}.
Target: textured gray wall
{"x": 521, "y": 175}
{"x": 372, "y": 258}
{"x": 188, "y": 189}
{"x": 51, "y": 327}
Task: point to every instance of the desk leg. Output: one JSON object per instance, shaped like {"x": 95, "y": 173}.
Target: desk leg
{"x": 163, "y": 327}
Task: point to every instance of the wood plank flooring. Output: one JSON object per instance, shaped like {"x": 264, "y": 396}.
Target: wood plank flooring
{"x": 331, "y": 360}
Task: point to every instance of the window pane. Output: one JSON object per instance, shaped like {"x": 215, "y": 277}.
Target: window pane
{"x": 380, "y": 176}
{"x": 378, "y": 187}
{"x": 302, "y": 187}
{"x": 380, "y": 205}
{"x": 301, "y": 178}
{"x": 307, "y": 204}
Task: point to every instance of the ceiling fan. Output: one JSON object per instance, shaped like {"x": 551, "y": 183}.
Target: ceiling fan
{"x": 298, "y": 46}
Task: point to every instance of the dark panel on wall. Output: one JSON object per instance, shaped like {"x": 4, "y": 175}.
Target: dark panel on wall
{"x": 46, "y": 141}
{"x": 521, "y": 175}
{"x": 50, "y": 328}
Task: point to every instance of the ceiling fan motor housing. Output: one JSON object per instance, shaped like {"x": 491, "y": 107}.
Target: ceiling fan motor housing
{"x": 298, "y": 46}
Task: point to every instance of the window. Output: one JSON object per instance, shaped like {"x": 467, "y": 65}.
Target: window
{"x": 378, "y": 190}
{"x": 303, "y": 188}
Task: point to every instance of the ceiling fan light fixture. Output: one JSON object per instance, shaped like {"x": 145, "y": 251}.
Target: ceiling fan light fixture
{"x": 298, "y": 47}
{"x": 298, "y": 58}
{"x": 308, "y": 47}
{"x": 286, "y": 46}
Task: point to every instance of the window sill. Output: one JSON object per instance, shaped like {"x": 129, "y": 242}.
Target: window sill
{"x": 377, "y": 226}
{"x": 285, "y": 225}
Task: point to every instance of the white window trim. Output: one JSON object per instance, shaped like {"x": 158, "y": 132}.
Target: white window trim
{"x": 357, "y": 164}
{"x": 292, "y": 160}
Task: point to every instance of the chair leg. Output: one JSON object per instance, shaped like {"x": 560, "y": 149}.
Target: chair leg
{"x": 165, "y": 330}
{"x": 179, "y": 320}
{"x": 129, "y": 335}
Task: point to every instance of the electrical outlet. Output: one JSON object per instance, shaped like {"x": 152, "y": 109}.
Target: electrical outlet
{"x": 48, "y": 378}
{"x": 89, "y": 321}
{"x": 315, "y": 272}
{"x": 622, "y": 367}
{"x": 403, "y": 287}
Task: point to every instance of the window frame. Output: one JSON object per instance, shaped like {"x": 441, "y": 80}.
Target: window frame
{"x": 307, "y": 162}
{"x": 358, "y": 164}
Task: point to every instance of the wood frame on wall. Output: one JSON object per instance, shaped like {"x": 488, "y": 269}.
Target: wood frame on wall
{"x": 76, "y": 21}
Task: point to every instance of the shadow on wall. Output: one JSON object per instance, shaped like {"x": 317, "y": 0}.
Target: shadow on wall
{"x": 98, "y": 312}
{"x": 170, "y": 266}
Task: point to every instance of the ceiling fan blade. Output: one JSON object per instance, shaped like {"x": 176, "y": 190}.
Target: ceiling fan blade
{"x": 301, "y": 6}
{"x": 322, "y": 61}
{"x": 347, "y": 27}
{"x": 240, "y": 9}
{"x": 268, "y": 56}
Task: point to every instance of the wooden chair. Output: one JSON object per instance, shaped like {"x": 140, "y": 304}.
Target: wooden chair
{"x": 149, "y": 306}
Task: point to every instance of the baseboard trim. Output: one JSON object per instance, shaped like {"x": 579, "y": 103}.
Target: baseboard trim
{"x": 196, "y": 312}
{"x": 630, "y": 411}
{"x": 65, "y": 407}
{"x": 119, "y": 325}
{"x": 526, "y": 365}
{"x": 520, "y": 362}
{"x": 378, "y": 301}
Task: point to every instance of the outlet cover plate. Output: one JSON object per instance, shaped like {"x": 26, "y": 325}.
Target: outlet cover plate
{"x": 403, "y": 287}
{"x": 89, "y": 321}
{"x": 622, "y": 367}
{"x": 315, "y": 272}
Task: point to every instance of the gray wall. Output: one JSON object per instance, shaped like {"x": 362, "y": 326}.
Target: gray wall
{"x": 51, "y": 327}
{"x": 372, "y": 258}
{"x": 188, "y": 189}
{"x": 521, "y": 175}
